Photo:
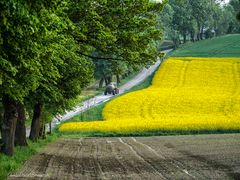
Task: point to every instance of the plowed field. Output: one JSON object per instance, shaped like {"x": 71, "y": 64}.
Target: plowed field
{"x": 176, "y": 157}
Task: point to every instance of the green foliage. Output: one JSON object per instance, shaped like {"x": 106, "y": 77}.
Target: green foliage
{"x": 198, "y": 19}
{"x": 45, "y": 47}
{"x": 238, "y": 16}
{"x": 1, "y": 119}
{"x": 120, "y": 30}
{"x": 39, "y": 57}
{"x": 75, "y": 73}
{"x": 116, "y": 34}
{"x": 106, "y": 69}
{"x": 236, "y": 5}
{"x": 201, "y": 10}
{"x": 19, "y": 62}
{"x": 38, "y": 43}
{"x": 236, "y": 11}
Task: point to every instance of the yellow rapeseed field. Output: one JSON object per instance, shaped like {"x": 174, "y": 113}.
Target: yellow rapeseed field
{"x": 186, "y": 94}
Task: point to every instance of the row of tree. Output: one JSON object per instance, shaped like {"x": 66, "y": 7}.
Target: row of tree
{"x": 198, "y": 19}
{"x": 106, "y": 70}
{"x": 178, "y": 22}
{"x": 47, "y": 49}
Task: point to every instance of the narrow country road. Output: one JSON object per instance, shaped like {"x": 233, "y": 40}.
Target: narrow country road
{"x": 102, "y": 98}
{"x": 169, "y": 157}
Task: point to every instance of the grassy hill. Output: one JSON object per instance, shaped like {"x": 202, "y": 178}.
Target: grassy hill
{"x": 224, "y": 46}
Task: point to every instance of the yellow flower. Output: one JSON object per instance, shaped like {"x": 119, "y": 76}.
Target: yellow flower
{"x": 186, "y": 94}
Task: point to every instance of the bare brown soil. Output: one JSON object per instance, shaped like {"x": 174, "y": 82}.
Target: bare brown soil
{"x": 171, "y": 157}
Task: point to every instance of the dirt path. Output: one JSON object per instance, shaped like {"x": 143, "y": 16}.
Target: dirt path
{"x": 170, "y": 157}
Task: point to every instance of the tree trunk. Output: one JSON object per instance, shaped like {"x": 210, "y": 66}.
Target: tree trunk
{"x": 198, "y": 36}
{"x": 9, "y": 125}
{"x": 109, "y": 79}
{"x": 201, "y": 33}
{"x": 1, "y": 121}
{"x": 175, "y": 44}
{"x": 101, "y": 82}
{"x": 42, "y": 130}
{"x": 118, "y": 79}
{"x": 192, "y": 36}
{"x": 36, "y": 122}
{"x": 105, "y": 80}
{"x": 50, "y": 128}
{"x": 184, "y": 38}
{"x": 20, "y": 133}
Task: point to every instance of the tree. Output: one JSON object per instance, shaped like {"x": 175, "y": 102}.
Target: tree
{"x": 105, "y": 70}
{"x": 19, "y": 62}
{"x": 76, "y": 72}
{"x": 110, "y": 32}
{"x": 1, "y": 119}
{"x": 165, "y": 19}
{"x": 235, "y": 4}
{"x": 121, "y": 30}
{"x": 182, "y": 18}
{"x": 42, "y": 65}
{"x": 21, "y": 51}
{"x": 201, "y": 12}
{"x": 238, "y": 15}
{"x": 199, "y": 19}
{"x": 72, "y": 72}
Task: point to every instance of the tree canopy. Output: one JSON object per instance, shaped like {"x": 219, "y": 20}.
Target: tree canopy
{"x": 48, "y": 51}
{"x": 198, "y": 19}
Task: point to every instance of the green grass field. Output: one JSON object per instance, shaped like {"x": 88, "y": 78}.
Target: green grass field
{"x": 224, "y": 46}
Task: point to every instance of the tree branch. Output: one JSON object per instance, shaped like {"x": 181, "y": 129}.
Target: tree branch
{"x": 101, "y": 58}
{"x": 108, "y": 58}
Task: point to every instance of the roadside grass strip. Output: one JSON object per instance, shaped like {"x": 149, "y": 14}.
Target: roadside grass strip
{"x": 187, "y": 94}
